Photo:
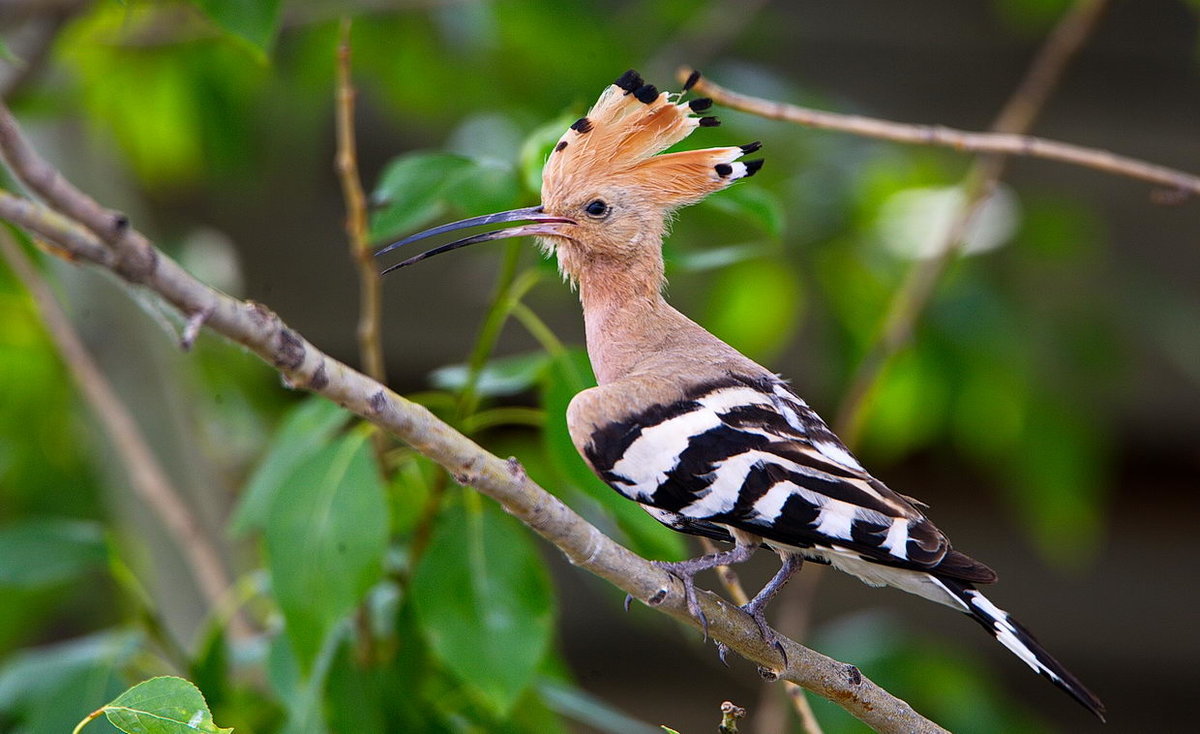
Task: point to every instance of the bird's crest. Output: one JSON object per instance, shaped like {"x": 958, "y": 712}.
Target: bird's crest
{"x": 624, "y": 132}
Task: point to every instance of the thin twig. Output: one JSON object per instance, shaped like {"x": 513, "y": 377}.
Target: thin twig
{"x": 303, "y": 366}
{"x": 146, "y": 475}
{"x": 369, "y": 339}
{"x": 909, "y": 302}
{"x": 370, "y": 300}
{"x": 960, "y": 140}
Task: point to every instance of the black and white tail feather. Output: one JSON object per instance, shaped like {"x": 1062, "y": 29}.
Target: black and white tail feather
{"x": 1013, "y": 635}
{"x": 746, "y": 457}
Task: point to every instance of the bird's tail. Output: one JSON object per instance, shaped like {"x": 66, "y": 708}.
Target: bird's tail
{"x": 1020, "y": 641}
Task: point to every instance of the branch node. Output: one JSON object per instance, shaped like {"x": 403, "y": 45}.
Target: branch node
{"x": 289, "y": 350}
{"x": 259, "y": 313}
{"x": 853, "y": 676}
{"x": 120, "y": 223}
{"x": 378, "y": 402}
{"x": 134, "y": 263}
{"x": 516, "y": 470}
{"x": 658, "y": 597}
{"x": 767, "y": 674}
{"x": 730, "y": 713}
{"x": 191, "y": 329}
{"x": 319, "y": 379}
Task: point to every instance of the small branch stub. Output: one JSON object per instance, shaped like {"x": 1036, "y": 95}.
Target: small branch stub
{"x": 730, "y": 713}
{"x": 191, "y": 328}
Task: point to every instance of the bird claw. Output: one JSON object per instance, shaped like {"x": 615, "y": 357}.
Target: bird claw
{"x": 722, "y": 651}
{"x": 685, "y": 575}
{"x": 769, "y": 635}
{"x": 628, "y": 601}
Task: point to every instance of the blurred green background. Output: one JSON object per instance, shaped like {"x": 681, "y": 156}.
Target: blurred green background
{"x": 1048, "y": 408}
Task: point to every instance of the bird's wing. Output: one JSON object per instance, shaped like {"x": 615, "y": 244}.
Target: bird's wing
{"x": 748, "y": 453}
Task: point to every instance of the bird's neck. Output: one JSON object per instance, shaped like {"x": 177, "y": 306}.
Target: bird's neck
{"x": 625, "y": 315}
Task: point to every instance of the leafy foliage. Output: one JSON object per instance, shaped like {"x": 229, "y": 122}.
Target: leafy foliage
{"x": 255, "y": 22}
{"x": 163, "y": 705}
{"x": 45, "y": 551}
{"x": 482, "y": 597}
{"x": 325, "y": 541}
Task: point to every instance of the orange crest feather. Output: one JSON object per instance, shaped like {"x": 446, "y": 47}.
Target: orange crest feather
{"x": 621, "y": 137}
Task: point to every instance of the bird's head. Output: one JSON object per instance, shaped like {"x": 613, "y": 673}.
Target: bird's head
{"x": 607, "y": 193}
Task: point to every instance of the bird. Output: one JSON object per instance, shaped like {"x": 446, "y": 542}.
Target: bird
{"x": 706, "y": 440}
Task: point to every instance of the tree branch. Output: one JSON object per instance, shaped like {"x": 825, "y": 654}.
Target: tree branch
{"x": 960, "y": 140}
{"x": 304, "y": 366}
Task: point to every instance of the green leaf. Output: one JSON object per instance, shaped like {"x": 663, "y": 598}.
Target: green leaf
{"x": 482, "y": 598}
{"x": 1060, "y": 481}
{"x": 308, "y": 428}
{"x": 326, "y": 537}
{"x": 1032, "y": 16}
{"x": 163, "y": 705}
{"x": 499, "y": 377}
{"x": 50, "y": 688}
{"x": 537, "y": 148}
{"x": 719, "y": 257}
{"x": 754, "y": 306}
{"x": 489, "y": 186}
{"x": 355, "y": 695}
{"x": 179, "y": 112}
{"x": 48, "y": 551}
{"x": 909, "y": 406}
{"x": 256, "y": 21}
{"x": 412, "y": 191}
{"x": 301, "y": 694}
{"x": 753, "y": 204}
{"x": 642, "y": 533}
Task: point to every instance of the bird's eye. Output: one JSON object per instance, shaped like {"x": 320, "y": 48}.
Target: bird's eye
{"x": 597, "y": 208}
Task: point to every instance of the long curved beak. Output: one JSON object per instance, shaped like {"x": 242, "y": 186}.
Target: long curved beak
{"x": 542, "y": 224}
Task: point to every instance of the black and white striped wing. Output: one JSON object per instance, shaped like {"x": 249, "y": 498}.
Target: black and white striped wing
{"x": 750, "y": 454}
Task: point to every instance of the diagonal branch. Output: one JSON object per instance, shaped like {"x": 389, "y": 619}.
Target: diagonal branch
{"x": 304, "y": 366}
{"x": 1004, "y": 143}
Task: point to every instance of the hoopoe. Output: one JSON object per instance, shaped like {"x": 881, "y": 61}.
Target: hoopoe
{"x": 706, "y": 440}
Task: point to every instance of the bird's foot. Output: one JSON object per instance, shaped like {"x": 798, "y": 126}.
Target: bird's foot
{"x": 757, "y": 612}
{"x": 686, "y": 571}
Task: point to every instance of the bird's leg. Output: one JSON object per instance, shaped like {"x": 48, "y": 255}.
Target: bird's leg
{"x": 686, "y": 571}
{"x": 756, "y": 607}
